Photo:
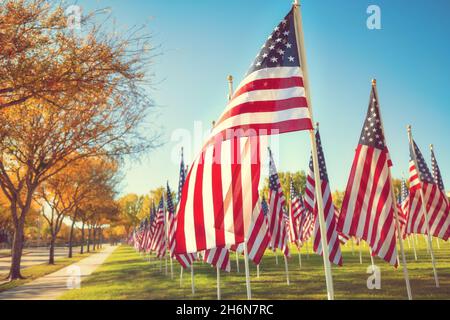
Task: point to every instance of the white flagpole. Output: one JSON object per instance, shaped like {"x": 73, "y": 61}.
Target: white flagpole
{"x": 353, "y": 247}
{"x": 397, "y": 221}
{"x": 409, "y": 242}
{"x": 307, "y": 249}
{"x": 299, "y": 254}
{"x": 414, "y": 248}
{"x": 286, "y": 267}
{"x": 192, "y": 278}
{"x": 219, "y": 294}
{"x": 181, "y": 277}
{"x": 257, "y": 271}
{"x": 319, "y": 199}
{"x": 247, "y": 271}
{"x": 276, "y": 257}
{"x": 430, "y": 244}
{"x": 237, "y": 262}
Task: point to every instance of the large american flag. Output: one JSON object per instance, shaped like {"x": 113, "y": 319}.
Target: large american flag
{"x": 221, "y": 189}
{"x": 278, "y": 220}
{"x": 436, "y": 203}
{"x": 334, "y": 248}
{"x": 259, "y": 236}
{"x": 368, "y": 207}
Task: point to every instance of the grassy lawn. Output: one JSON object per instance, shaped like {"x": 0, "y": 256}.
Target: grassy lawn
{"x": 37, "y": 271}
{"x": 127, "y": 275}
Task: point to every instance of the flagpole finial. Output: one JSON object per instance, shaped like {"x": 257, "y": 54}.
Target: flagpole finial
{"x": 230, "y": 78}
{"x": 317, "y": 125}
{"x": 374, "y": 82}
{"x": 409, "y": 128}
{"x": 213, "y": 124}
{"x": 431, "y": 147}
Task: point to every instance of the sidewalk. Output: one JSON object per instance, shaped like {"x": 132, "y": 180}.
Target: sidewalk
{"x": 51, "y": 286}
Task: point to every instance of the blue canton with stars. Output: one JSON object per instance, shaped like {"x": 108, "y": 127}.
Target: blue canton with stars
{"x": 322, "y": 165}
{"x": 280, "y": 49}
{"x": 372, "y": 133}
{"x": 424, "y": 172}
{"x": 264, "y": 206}
{"x": 437, "y": 173}
{"x": 404, "y": 193}
{"x": 182, "y": 177}
{"x": 274, "y": 181}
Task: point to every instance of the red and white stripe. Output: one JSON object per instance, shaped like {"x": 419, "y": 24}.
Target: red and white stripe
{"x": 259, "y": 237}
{"x": 436, "y": 206}
{"x": 334, "y": 249}
{"x": 367, "y": 210}
{"x": 219, "y": 196}
{"x": 219, "y": 258}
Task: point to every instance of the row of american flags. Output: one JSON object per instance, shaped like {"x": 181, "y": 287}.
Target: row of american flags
{"x": 220, "y": 208}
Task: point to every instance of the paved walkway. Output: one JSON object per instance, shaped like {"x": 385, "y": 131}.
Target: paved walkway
{"x": 34, "y": 256}
{"x": 51, "y": 286}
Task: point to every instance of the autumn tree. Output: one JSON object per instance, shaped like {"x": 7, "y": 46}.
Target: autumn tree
{"x": 67, "y": 97}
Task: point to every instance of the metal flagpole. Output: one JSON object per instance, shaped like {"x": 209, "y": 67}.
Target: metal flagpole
{"x": 276, "y": 257}
{"x": 257, "y": 271}
{"x": 192, "y": 278}
{"x": 353, "y": 247}
{"x": 247, "y": 271}
{"x": 219, "y": 295}
{"x": 181, "y": 277}
{"x": 237, "y": 262}
{"x": 414, "y": 249}
{"x": 299, "y": 254}
{"x": 286, "y": 269}
{"x": 397, "y": 221}
{"x": 430, "y": 244}
{"x": 319, "y": 199}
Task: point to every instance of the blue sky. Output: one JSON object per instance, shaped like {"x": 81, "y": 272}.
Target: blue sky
{"x": 203, "y": 41}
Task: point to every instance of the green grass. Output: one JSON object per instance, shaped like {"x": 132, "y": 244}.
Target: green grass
{"x": 37, "y": 271}
{"x": 127, "y": 275}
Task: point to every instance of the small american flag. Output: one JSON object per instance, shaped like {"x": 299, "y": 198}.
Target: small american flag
{"x": 277, "y": 218}
{"x": 334, "y": 247}
{"x": 436, "y": 203}
{"x": 259, "y": 236}
{"x": 368, "y": 207}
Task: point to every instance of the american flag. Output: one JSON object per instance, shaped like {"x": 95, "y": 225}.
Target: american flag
{"x": 368, "y": 207}
{"x": 218, "y": 257}
{"x": 171, "y": 221}
{"x": 220, "y": 194}
{"x": 278, "y": 223}
{"x": 440, "y": 182}
{"x": 259, "y": 236}
{"x": 185, "y": 259}
{"x": 334, "y": 247}
{"x": 159, "y": 236}
{"x": 402, "y": 207}
{"x": 306, "y": 226}
{"x": 436, "y": 203}
{"x": 296, "y": 210}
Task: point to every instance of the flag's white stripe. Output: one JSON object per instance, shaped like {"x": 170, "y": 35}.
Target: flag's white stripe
{"x": 227, "y": 190}
{"x": 208, "y": 204}
{"x": 270, "y": 73}
{"x": 246, "y": 181}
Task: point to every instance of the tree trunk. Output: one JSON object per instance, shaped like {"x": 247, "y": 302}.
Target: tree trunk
{"x": 89, "y": 240}
{"x": 71, "y": 238}
{"x": 51, "y": 257}
{"x": 16, "y": 253}
{"x": 82, "y": 239}
{"x": 94, "y": 240}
